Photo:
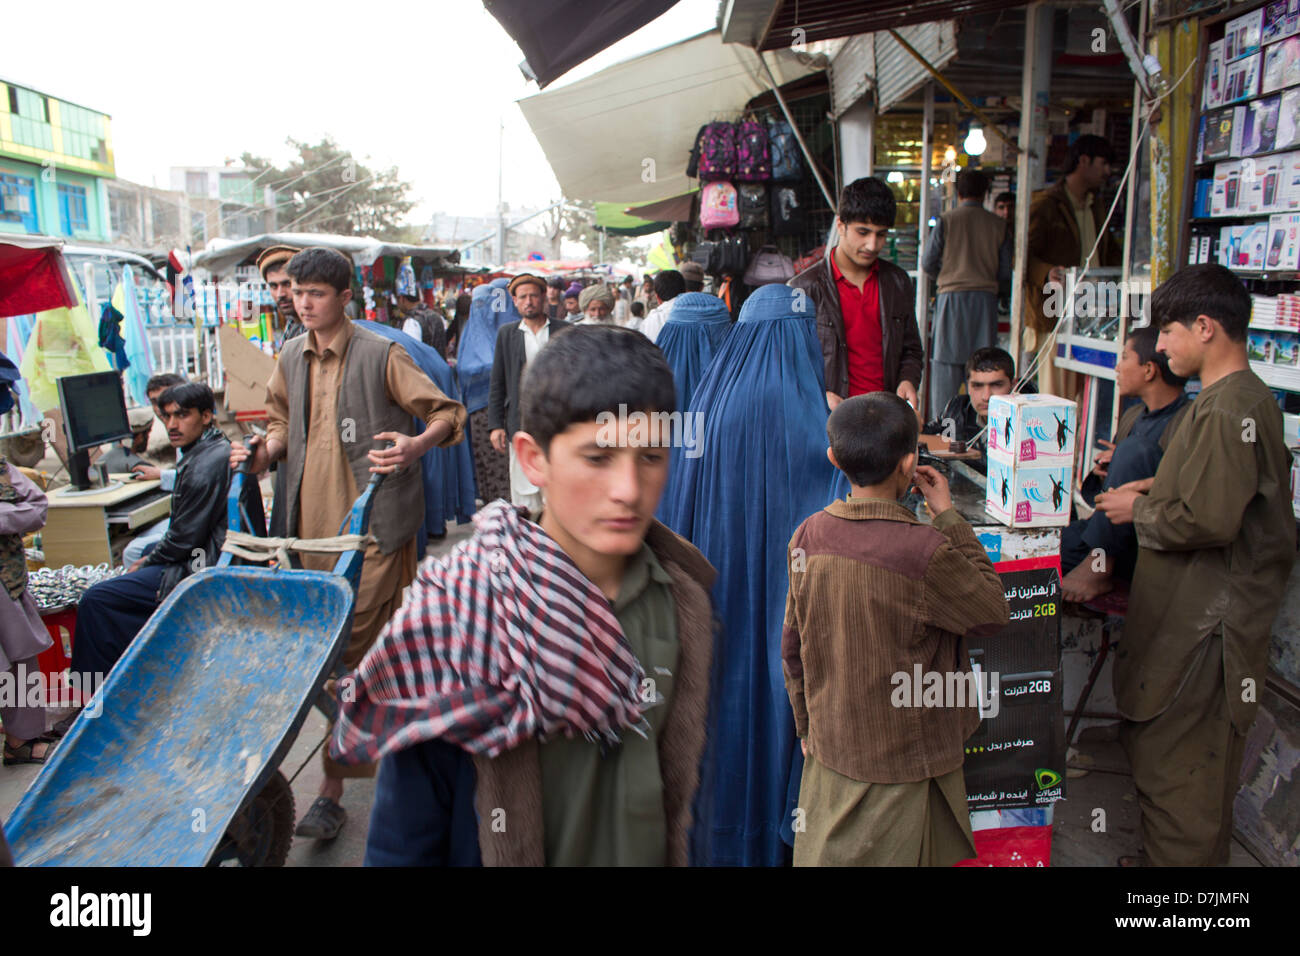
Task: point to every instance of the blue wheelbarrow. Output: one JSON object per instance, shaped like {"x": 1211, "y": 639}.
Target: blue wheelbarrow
{"x": 180, "y": 766}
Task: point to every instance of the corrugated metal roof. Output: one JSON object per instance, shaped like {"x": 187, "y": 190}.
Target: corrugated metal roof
{"x": 825, "y": 19}
{"x": 852, "y": 72}
{"x": 898, "y": 73}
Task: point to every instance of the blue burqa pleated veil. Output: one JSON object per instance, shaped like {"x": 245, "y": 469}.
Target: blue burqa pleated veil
{"x": 762, "y": 471}
{"x": 448, "y": 472}
{"x": 695, "y": 329}
{"x": 490, "y": 307}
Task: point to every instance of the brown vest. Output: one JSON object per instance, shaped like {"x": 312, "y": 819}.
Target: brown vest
{"x": 972, "y": 237}
{"x": 364, "y": 409}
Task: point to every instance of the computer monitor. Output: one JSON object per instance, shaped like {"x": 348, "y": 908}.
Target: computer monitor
{"x": 94, "y": 412}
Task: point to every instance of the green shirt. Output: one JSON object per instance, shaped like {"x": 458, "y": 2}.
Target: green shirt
{"x": 608, "y": 809}
{"x": 1216, "y": 540}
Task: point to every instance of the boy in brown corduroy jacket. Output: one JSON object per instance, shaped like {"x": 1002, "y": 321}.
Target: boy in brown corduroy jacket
{"x": 878, "y": 604}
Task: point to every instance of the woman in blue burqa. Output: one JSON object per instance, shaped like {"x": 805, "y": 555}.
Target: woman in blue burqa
{"x": 763, "y": 469}
{"x": 689, "y": 340}
{"x": 490, "y": 308}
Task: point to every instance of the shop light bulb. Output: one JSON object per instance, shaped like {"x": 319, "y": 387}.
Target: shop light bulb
{"x": 975, "y": 143}
{"x": 950, "y": 155}
{"x": 894, "y": 177}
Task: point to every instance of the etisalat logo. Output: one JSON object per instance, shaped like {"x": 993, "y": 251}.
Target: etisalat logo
{"x": 640, "y": 429}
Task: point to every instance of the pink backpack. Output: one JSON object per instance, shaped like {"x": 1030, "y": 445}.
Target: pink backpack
{"x": 718, "y": 209}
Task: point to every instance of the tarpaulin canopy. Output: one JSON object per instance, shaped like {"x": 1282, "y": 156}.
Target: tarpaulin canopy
{"x": 222, "y": 255}
{"x": 674, "y": 209}
{"x": 625, "y": 134}
{"x": 33, "y": 276}
{"x": 557, "y": 36}
{"x": 611, "y": 218}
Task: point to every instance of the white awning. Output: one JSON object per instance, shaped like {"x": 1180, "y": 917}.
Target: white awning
{"x": 223, "y": 254}
{"x": 625, "y": 134}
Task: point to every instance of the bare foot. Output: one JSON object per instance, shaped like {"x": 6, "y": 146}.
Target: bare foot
{"x": 1084, "y": 584}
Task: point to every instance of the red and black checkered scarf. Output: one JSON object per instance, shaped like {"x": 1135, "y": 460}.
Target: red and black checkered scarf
{"x": 502, "y": 640}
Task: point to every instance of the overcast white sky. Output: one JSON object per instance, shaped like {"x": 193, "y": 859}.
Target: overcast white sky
{"x": 419, "y": 85}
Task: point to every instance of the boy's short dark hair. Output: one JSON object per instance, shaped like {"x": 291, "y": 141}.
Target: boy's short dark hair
{"x": 189, "y": 395}
{"x": 589, "y": 369}
{"x": 972, "y": 184}
{"x": 1143, "y": 343}
{"x": 1089, "y": 145}
{"x": 1205, "y": 289}
{"x": 638, "y": 309}
{"x": 870, "y": 434}
{"x": 319, "y": 264}
{"x": 669, "y": 284}
{"x": 867, "y": 200}
{"x": 991, "y": 359}
{"x": 1005, "y": 197}
{"x": 163, "y": 380}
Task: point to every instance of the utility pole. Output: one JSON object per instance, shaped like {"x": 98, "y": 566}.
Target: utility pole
{"x": 501, "y": 205}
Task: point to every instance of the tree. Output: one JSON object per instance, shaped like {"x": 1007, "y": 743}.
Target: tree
{"x": 327, "y": 190}
{"x": 578, "y": 224}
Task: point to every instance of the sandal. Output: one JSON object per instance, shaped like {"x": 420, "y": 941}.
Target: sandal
{"x": 23, "y": 754}
{"x": 323, "y": 821}
{"x": 61, "y": 728}
{"x": 1127, "y": 861}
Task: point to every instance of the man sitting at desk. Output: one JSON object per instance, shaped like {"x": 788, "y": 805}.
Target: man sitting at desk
{"x": 112, "y": 612}
{"x": 989, "y": 371}
{"x": 145, "y": 542}
{"x": 1093, "y": 550}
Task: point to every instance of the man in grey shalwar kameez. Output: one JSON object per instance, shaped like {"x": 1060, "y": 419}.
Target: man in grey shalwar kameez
{"x": 969, "y": 252}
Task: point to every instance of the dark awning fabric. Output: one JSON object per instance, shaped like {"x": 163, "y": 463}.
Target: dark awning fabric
{"x": 557, "y": 36}
{"x": 33, "y": 279}
{"x": 829, "y": 19}
{"x": 675, "y": 209}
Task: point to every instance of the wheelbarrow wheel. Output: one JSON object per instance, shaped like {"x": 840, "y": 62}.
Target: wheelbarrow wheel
{"x": 261, "y": 833}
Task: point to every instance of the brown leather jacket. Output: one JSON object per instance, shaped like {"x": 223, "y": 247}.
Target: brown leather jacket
{"x": 900, "y": 338}
{"x": 1054, "y": 241}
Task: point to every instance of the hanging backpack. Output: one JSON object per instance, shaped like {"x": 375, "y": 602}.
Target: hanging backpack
{"x": 787, "y": 217}
{"x": 716, "y": 145}
{"x": 718, "y": 206}
{"x": 784, "y": 150}
{"x": 753, "y": 161}
{"x": 753, "y": 205}
{"x": 708, "y": 256}
{"x": 735, "y": 255}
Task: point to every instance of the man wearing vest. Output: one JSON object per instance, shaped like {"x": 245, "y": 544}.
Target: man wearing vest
{"x": 970, "y": 253}
{"x": 338, "y": 395}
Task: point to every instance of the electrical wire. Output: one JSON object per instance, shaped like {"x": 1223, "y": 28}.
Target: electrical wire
{"x": 1028, "y": 373}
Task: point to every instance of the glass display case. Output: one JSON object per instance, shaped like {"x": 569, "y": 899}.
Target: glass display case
{"x": 1092, "y": 308}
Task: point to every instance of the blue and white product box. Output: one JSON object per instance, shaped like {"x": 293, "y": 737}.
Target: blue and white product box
{"x": 1035, "y": 430}
{"x": 1242, "y": 35}
{"x": 1254, "y": 246}
{"x": 1283, "y": 242}
{"x": 1026, "y": 496}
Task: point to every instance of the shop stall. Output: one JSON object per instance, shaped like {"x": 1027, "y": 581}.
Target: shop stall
{"x": 1241, "y": 209}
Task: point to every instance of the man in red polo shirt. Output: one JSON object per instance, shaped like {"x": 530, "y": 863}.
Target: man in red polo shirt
{"x": 865, "y": 306}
